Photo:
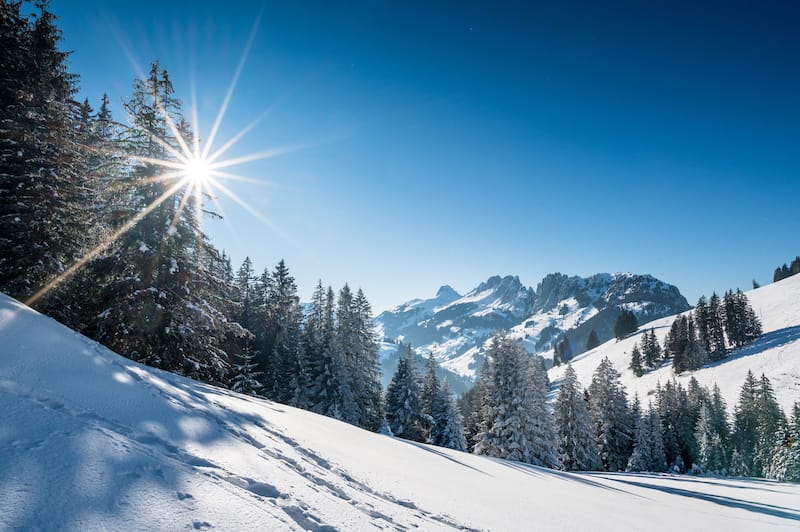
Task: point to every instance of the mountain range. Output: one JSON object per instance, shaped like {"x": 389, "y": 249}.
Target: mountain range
{"x": 456, "y": 329}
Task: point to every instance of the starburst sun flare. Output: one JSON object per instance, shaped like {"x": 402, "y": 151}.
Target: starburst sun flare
{"x": 196, "y": 170}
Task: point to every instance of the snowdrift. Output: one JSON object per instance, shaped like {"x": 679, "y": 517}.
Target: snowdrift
{"x": 90, "y": 440}
{"x": 776, "y": 354}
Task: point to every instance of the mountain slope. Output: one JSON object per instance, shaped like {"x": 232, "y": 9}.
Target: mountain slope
{"x": 457, "y": 329}
{"x": 776, "y": 353}
{"x": 90, "y": 440}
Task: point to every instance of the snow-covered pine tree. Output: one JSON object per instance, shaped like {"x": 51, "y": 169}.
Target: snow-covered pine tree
{"x": 347, "y": 347}
{"x": 771, "y": 425}
{"x": 403, "y": 408}
{"x": 702, "y": 323}
{"x": 154, "y": 292}
{"x": 711, "y": 451}
{"x": 608, "y": 406}
{"x": 577, "y": 448}
{"x": 741, "y": 323}
{"x": 695, "y": 355}
{"x": 752, "y": 325}
{"x": 677, "y": 339}
{"x": 367, "y": 377}
{"x": 326, "y": 393}
{"x": 447, "y": 429}
{"x": 265, "y": 331}
{"x": 745, "y": 429}
{"x": 651, "y": 350}
{"x": 246, "y": 379}
{"x": 543, "y": 441}
{"x": 429, "y": 395}
{"x": 245, "y": 297}
{"x": 785, "y": 463}
{"x": 636, "y": 361}
{"x": 716, "y": 329}
{"x": 291, "y": 379}
{"x": 672, "y": 403}
{"x": 506, "y": 425}
{"x": 648, "y": 449}
{"x": 471, "y": 406}
{"x": 46, "y": 188}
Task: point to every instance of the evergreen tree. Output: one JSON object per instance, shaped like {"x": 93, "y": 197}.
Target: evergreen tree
{"x": 741, "y": 323}
{"x": 471, "y": 407}
{"x": 771, "y": 426}
{"x": 347, "y": 345}
{"x": 636, "y": 361}
{"x": 403, "y": 408}
{"x": 290, "y": 385}
{"x": 430, "y": 390}
{"x": 785, "y": 463}
{"x": 716, "y": 330}
{"x": 517, "y": 424}
{"x": 447, "y": 429}
{"x": 46, "y": 190}
{"x": 367, "y": 375}
{"x": 577, "y": 448}
{"x": 712, "y": 453}
{"x": 626, "y": 324}
{"x": 745, "y": 429}
{"x": 651, "y": 350}
{"x": 593, "y": 340}
{"x": 702, "y": 322}
{"x": 327, "y": 382}
{"x": 648, "y": 451}
{"x": 612, "y": 420}
{"x": 246, "y": 379}
{"x": 543, "y": 440}
{"x": 155, "y": 292}
{"x": 678, "y": 425}
{"x": 696, "y": 355}
{"x": 564, "y": 351}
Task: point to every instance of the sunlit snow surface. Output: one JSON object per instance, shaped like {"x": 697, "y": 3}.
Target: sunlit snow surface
{"x": 92, "y": 441}
{"x": 776, "y": 354}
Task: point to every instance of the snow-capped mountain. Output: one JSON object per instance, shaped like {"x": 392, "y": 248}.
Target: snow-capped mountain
{"x": 776, "y": 354}
{"x": 456, "y": 328}
{"x": 90, "y": 440}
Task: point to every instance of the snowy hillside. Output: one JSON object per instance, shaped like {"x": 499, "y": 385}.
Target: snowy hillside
{"x": 92, "y": 441}
{"x": 457, "y": 329}
{"x": 776, "y": 353}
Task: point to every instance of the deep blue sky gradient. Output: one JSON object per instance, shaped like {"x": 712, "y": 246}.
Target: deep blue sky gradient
{"x": 447, "y": 142}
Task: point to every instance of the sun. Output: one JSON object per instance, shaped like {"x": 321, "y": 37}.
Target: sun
{"x": 197, "y": 170}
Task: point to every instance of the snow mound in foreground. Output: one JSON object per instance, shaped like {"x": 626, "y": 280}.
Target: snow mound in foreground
{"x": 776, "y": 354}
{"x": 91, "y": 440}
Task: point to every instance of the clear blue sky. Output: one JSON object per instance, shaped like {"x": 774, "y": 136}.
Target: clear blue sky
{"x": 448, "y": 143}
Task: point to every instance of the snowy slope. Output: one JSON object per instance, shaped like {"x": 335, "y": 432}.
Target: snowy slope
{"x": 776, "y": 353}
{"x": 92, "y": 441}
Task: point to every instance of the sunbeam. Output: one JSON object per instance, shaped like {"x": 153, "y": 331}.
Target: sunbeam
{"x": 224, "y": 107}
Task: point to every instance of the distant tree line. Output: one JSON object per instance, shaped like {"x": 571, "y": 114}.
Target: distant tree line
{"x": 699, "y": 337}
{"x": 787, "y": 270}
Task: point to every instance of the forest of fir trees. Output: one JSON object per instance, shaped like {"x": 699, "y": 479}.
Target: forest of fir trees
{"x": 699, "y": 337}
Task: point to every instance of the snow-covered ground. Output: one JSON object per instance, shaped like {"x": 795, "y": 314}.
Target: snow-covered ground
{"x": 90, "y": 440}
{"x": 776, "y": 354}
